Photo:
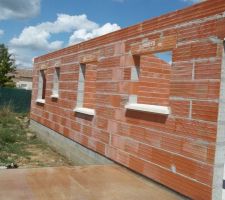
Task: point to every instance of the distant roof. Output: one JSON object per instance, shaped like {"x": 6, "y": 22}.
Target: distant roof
{"x": 24, "y": 73}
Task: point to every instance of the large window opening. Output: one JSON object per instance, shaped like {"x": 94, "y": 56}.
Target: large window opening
{"x": 152, "y": 73}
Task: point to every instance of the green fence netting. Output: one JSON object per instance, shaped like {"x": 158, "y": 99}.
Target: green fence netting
{"x": 18, "y": 99}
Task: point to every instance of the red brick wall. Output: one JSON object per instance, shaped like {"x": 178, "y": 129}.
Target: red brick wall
{"x": 176, "y": 150}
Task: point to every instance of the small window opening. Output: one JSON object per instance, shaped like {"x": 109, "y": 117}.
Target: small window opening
{"x": 55, "y": 89}
{"x": 41, "y": 86}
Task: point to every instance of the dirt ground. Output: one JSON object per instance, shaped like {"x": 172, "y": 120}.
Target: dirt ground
{"x": 40, "y": 154}
{"x": 20, "y": 146}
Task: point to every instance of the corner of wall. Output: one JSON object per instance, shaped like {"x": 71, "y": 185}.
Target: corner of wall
{"x": 220, "y": 138}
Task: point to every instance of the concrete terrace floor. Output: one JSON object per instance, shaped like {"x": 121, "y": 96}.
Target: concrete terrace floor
{"x": 107, "y": 182}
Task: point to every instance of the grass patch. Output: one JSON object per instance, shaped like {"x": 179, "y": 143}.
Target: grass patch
{"x": 12, "y": 137}
{"x": 20, "y": 146}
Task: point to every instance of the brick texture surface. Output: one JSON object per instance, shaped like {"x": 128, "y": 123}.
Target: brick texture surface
{"x": 177, "y": 150}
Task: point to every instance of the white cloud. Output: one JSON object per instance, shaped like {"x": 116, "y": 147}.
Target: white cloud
{"x": 19, "y": 9}
{"x": 24, "y": 57}
{"x": 83, "y": 34}
{"x": 1, "y": 32}
{"x": 37, "y": 37}
{"x": 36, "y": 40}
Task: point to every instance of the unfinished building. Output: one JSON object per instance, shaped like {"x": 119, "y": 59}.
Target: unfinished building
{"x": 150, "y": 97}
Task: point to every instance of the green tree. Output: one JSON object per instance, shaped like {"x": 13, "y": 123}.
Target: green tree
{"x": 7, "y": 66}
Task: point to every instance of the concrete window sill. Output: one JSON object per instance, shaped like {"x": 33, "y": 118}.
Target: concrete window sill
{"x": 54, "y": 96}
{"x": 41, "y": 101}
{"x": 163, "y": 110}
{"x": 86, "y": 111}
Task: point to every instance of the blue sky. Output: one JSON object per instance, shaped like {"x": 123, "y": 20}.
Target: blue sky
{"x": 34, "y": 27}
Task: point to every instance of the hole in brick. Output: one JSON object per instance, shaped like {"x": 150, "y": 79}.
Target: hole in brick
{"x": 173, "y": 168}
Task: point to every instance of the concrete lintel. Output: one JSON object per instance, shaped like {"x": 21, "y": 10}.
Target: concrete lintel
{"x": 88, "y": 58}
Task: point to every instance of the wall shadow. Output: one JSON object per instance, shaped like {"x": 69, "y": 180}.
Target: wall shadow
{"x": 55, "y": 100}
{"x": 147, "y": 116}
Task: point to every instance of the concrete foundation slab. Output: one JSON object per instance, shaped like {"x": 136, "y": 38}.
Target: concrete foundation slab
{"x": 79, "y": 183}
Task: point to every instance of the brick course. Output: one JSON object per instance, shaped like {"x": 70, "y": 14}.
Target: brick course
{"x": 176, "y": 150}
